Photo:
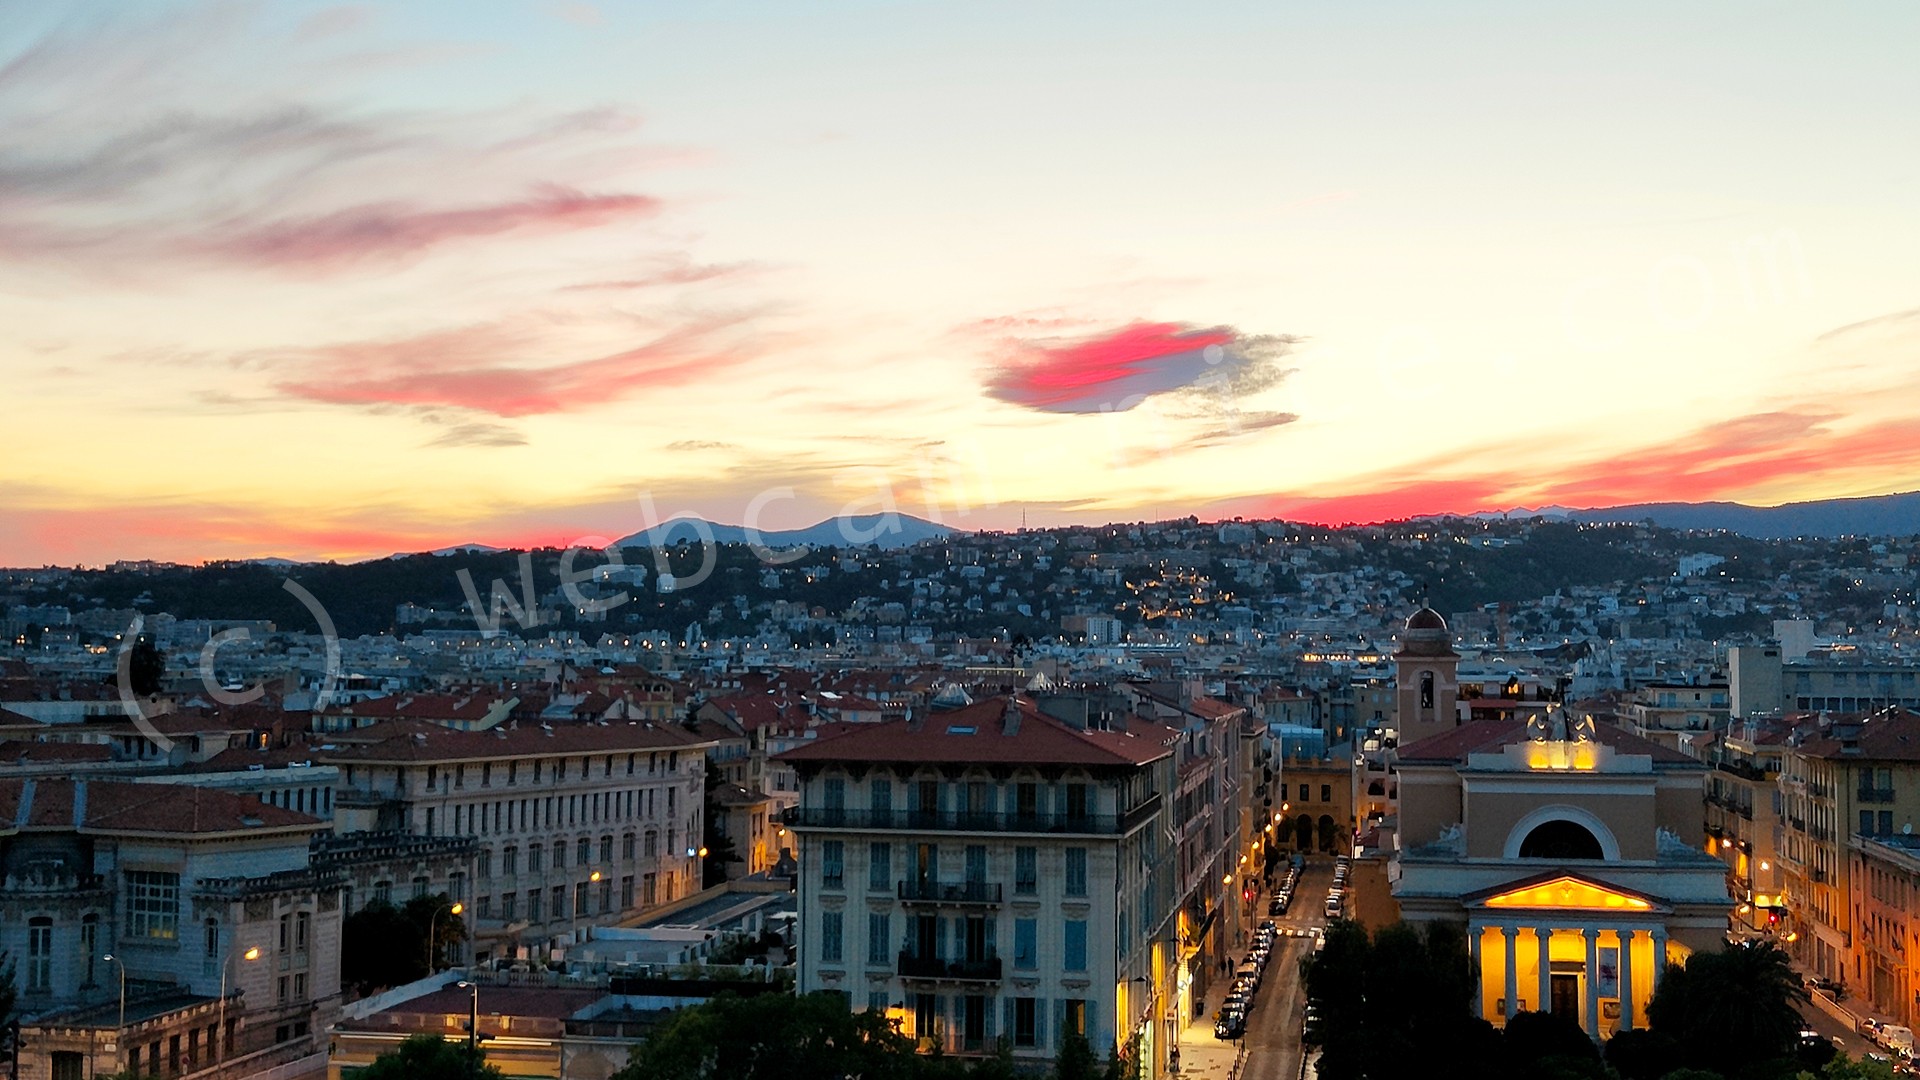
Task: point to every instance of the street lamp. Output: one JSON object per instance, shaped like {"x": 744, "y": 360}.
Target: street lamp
{"x": 474, "y": 1038}
{"x": 121, "y": 1035}
{"x": 252, "y": 954}
{"x": 453, "y": 908}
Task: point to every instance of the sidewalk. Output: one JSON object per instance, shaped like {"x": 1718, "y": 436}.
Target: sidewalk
{"x": 1203, "y": 1057}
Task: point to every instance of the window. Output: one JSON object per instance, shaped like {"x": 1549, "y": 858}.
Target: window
{"x": 559, "y": 901}
{"x": 1026, "y": 801}
{"x": 1886, "y": 823}
{"x": 559, "y": 854}
{"x": 626, "y": 848}
{"x": 626, "y": 892}
{"x": 879, "y": 936}
{"x": 1326, "y": 792}
{"x": 1303, "y": 792}
{"x": 973, "y": 1021}
{"x": 833, "y": 864}
{"x": 510, "y": 861}
{"x": 1075, "y": 1020}
{"x": 383, "y": 892}
{"x": 300, "y": 986}
{"x": 509, "y": 906}
{"x": 831, "y": 945}
{"x": 483, "y": 865}
{"x": 1026, "y": 875}
{"x": 1025, "y": 1028}
{"x": 606, "y": 849}
{"x": 419, "y": 887}
{"x": 976, "y": 864}
{"x": 1866, "y": 823}
{"x": 1076, "y": 871}
{"x": 535, "y": 858}
{"x": 1077, "y": 804}
{"x": 1076, "y": 945}
{"x": 879, "y": 867}
{"x": 40, "y": 954}
{"x": 302, "y": 931}
{"x": 533, "y": 906}
{"x": 877, "y": 1001}
{"x": 89, "y": 947}
{"x": 1026, "y": 948}
{"x": 584, "y": 851}
{"x": 579, "y": 899}
{"x": 153, "y": 904}
{"x": 881, "y": 794}
{"x": 456, "y": 886}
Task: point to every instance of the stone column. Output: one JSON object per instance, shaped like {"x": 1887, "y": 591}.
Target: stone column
{"x": 1473, "y": 963}
{"x": 1626, "y": 979}
{"x": 1593, "y": 981}
{"x": 1512, "y": 934}
{"x": 1545, "y": 934}
{"x": 1659, "y": 955}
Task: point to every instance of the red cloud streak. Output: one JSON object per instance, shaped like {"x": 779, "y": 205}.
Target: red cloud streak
{"x": 1732, "y": 459}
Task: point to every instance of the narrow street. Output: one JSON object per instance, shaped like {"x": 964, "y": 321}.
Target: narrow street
{"x": 1272, "y": 1040}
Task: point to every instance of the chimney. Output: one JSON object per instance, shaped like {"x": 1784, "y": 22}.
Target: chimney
{"x": 1010, "y": 722}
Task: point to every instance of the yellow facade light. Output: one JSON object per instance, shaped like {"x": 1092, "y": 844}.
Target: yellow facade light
{"x": 1568, "y": 893}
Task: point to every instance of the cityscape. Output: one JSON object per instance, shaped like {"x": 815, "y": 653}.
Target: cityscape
{"x": 625, "y": 541}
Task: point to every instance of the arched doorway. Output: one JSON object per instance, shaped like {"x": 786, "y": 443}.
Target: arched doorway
{"x": 1303, "y": 833}
{"x": 1329, "y": 833}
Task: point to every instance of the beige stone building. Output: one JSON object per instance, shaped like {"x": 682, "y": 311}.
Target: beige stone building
{"x": 1841, "y": 777}
{"x": 1569, "y": 851}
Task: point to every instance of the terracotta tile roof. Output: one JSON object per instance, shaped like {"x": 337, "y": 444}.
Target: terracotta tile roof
{"x": 1886, "y": 736}
{"x": 977, "y": 734}
{"x": 111, "y": 806}
{"x": 28, "y": 752}
{"x": 421, "y": 742}
{"x": 1486, "y": 736}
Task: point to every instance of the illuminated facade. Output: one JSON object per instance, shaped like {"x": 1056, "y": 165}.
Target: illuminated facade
{"x": 1568, "y": 852}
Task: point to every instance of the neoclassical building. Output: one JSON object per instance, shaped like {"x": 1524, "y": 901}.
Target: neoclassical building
{"x": 1568, "y": 851}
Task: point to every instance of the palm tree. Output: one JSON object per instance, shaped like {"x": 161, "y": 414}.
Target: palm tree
{"x": 1730, "y": 1009}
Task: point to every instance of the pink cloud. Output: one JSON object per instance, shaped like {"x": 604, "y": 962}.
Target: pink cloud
{"x": 389, "y": 230}
{"x": 1113, "y": 371}
{"x": 473, "y": 368}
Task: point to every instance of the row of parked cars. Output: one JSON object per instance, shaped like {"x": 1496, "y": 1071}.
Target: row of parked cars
{"x": 1231, "y": 1021}
{"x": 1337, "y": 896}
{"x": 1283, "y": 895}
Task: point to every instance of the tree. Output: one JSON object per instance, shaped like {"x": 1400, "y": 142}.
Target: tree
{"x": 146, "y": 667}
{"x": 720, "y": 849}
{"x": 382, "y": 945}
{"x": 1731, "y": 1010}
{"x": 774, "y": 1037}
{"x": 429, "y": 1057}
{"x": 1397, "y": 1004}
{"x": 435, "y": 912}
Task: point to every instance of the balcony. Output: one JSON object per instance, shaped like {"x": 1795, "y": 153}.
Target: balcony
{"x": 913, "y": 966}
{"x": 1799, "y": 824}
{"x": 1821, "y": 832}
{"x": 1819, "y": 790}
{"x": 1874, "y": 795}
{"x": 969, "y": 821}
{"x": 950, "y": 892}
{"x": 1817, "y": 874}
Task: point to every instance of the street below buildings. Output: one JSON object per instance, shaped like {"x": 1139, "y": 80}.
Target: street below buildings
{"x": 1272, "y": 1047}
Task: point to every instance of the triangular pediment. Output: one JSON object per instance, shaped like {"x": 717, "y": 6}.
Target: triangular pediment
{"x": 1565, "y": 892}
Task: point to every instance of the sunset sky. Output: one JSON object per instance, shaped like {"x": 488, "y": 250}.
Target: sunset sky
{"x": 338, "y": 281}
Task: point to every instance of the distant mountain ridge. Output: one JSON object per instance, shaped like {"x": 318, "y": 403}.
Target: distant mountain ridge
{"x": 1871, "y": 515}
{"x": 854, "y": 530}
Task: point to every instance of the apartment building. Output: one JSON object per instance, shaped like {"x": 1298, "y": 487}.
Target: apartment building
{"x": 163, "y": 929}
{"x": 1745, "y": 822}
{"x": 989, "y": 870}
{"x": 1841, "y": 777}
{"x": 1885, "y": 876}
{"x": 577, "y": 824}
